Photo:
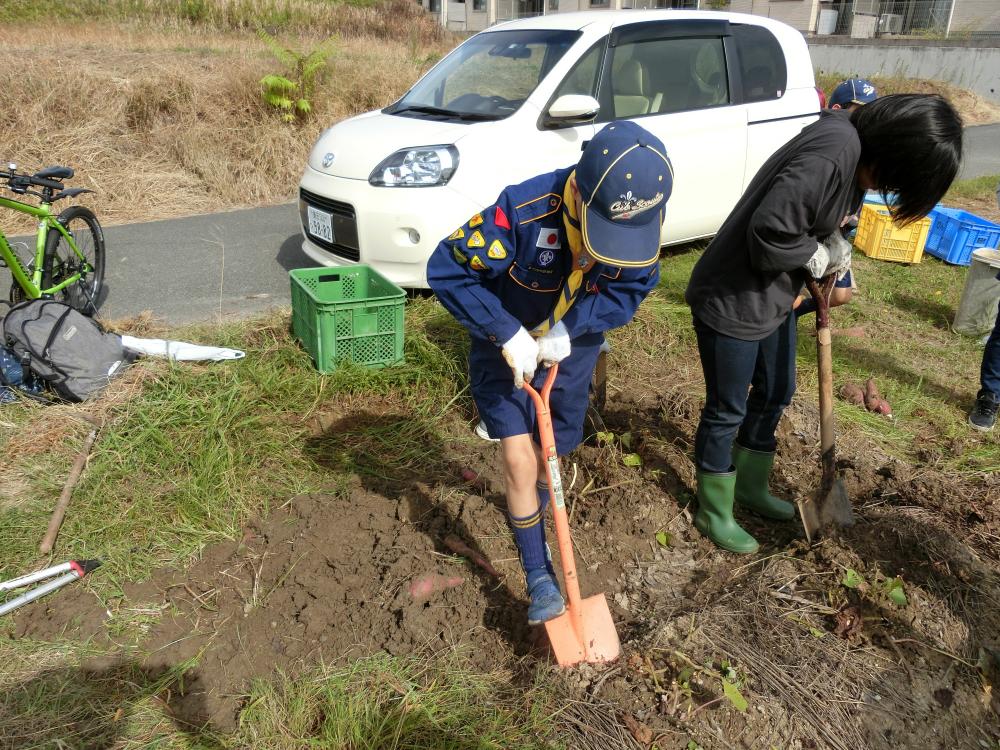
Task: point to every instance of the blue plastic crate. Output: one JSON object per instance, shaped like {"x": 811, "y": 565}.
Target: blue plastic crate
{"x": 955, "y": 233}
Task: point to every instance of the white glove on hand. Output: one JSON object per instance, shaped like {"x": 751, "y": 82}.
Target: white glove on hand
{"x": 816, "y": 265}
{"x": 521, "y": 353}
{"x": 554, "y": 346}
{"x": 832, "y": 256}
{"x": 605, "y": 347}
{"x": 840, "y": 254}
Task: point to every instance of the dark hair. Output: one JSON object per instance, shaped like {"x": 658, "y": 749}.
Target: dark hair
{"x": 912, "y": 143}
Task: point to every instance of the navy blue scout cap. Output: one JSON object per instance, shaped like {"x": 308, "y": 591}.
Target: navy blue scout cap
{"x": 853, "y": 91}
{"x": 624, "y": 178}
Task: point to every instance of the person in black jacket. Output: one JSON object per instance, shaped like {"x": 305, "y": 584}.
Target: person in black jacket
{"x": 742, "y": 289}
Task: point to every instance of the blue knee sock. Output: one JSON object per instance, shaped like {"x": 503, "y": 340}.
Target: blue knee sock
{"x": 529, "y": 534}
{"x": 808, "y": 305}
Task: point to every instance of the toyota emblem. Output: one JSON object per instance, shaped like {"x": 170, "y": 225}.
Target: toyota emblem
{"x": 327, "y": 160}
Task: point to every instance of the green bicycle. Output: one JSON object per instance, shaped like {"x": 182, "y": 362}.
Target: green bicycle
{"x": 68, "y": 263}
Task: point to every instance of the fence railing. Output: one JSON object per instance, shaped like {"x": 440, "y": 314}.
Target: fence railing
{"x": 923, "y": 19}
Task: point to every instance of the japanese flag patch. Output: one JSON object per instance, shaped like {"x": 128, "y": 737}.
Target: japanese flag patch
{"x": 549, "y": 239}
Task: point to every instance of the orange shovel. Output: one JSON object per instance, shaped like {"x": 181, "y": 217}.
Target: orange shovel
{"x": 585, "y": 631}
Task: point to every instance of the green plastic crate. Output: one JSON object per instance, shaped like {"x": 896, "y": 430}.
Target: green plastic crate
{"x": 347, "y": 314}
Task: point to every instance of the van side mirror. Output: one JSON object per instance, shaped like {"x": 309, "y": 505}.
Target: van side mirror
{"x": 572, "y": 109}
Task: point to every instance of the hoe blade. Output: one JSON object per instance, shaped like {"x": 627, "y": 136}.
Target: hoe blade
{"x": 597, "y": 640}
{"x": 829, "y": 507}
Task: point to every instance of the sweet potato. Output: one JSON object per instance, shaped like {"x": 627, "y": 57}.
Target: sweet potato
{"x": 427, "y": 585}
{"x": 872, "y": 395}
{"x": 459, "y": 547}
{"x": 882, "y": 407}
{"x": 471, "y": 477}
{"x": 852, "y": 394}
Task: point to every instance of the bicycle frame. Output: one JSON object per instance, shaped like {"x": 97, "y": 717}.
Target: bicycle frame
{"x": 31, "y": 281}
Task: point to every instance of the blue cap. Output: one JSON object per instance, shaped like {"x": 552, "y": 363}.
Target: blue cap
{"x": 853, "y": 91}
{"x": 624, "y": 178}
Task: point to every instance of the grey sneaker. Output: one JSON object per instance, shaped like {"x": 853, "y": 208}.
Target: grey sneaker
{"x": 482, "y": 432}
{"x": 984, "y": 414}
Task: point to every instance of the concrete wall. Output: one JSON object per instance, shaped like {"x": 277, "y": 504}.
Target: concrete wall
{"x": 972, "y": 67}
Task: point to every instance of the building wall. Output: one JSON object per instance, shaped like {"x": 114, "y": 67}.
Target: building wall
{"x": 975, "y": 14}
{"x": 570, "y": 6}
{"x": 799, "y": 14}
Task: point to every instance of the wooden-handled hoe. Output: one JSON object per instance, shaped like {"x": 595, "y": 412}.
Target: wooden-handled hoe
{"x": 831, "y": 503}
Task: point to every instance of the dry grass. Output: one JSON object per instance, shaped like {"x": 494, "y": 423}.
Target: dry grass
{"x": 390, "y": 20}
{"x": 168, "y": 122}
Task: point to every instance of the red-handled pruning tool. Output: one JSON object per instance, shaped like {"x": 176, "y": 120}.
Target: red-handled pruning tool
{"x": 71, "y": 571}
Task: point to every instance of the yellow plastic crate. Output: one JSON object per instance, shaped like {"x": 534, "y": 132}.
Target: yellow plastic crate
{"x": 879, "y": 238}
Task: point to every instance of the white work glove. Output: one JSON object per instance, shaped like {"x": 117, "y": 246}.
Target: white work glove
{"x": 832, "y": 256}
{"x": 605, "y": 347}
{"x": 554, "y": 346}
{"x": 521, "y": 353}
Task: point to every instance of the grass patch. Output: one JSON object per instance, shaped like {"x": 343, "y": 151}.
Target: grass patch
{"x": 386, "y": 702}
{"x": 929, "y": 374}
{"x": 978, "y": 188}
{"x": 189, "y": 452}
{"x": 376, "y": 703}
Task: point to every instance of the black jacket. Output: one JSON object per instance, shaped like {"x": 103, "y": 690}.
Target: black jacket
{"x": 745, "y": 283}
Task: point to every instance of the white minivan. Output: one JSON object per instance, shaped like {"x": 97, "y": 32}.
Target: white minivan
{"x": 722, "y": 91}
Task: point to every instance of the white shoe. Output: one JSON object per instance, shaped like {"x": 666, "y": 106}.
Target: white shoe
{"x": 482, "y": 432}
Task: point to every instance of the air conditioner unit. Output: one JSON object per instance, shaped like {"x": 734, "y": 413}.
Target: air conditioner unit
{"x": 890, "y": 23}
{"x": 866, "y": 7}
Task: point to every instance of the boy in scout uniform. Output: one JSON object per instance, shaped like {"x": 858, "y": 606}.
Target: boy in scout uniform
{"x": 538, "y": 277}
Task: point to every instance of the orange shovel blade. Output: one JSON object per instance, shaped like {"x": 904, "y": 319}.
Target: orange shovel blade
{"x": 597, "y": 641}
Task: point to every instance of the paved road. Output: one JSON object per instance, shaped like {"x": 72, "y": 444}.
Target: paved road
{"x": 982, "y": 152}
{"x": 198, "y": 268}
{"x": 236, "y": 263}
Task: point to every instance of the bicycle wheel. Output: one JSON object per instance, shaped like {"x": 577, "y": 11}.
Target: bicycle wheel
{"x": 61, "y": 262}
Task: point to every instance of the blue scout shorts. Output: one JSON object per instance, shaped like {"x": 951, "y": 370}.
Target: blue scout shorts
{"x": 508, "y": 411}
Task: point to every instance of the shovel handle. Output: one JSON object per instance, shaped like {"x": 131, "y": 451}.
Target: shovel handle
{"x": 547, "y": 440}
{"x": 601, "y": 381}
{"x": 820, "y": 291}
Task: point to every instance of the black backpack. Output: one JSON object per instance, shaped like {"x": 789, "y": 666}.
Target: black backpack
{"x": 72, "y": 353}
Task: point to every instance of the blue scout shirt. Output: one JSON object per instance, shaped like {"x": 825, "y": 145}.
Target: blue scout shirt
{"x": 505, "y": 267}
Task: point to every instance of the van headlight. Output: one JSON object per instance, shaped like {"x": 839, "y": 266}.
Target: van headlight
{"x": 417, "y": 167}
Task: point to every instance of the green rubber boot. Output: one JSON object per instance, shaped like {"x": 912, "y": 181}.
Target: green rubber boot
{"x": 715, "y": 519}
{"x": 753, "y": 472}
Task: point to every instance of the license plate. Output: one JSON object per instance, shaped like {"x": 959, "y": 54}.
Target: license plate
{"x": 320, "y": 224}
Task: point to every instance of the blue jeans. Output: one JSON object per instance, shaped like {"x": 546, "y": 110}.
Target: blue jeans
{"x": 990, "y": 374}
{"x": 732, "y": 367}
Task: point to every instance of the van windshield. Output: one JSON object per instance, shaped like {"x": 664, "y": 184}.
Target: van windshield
{"x": 488, "y": 77}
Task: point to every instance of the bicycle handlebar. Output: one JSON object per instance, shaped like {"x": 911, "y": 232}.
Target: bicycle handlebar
{"x": 23, "y": 180}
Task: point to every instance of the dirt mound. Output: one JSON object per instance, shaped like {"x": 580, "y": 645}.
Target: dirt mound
{"x": 325, "y": 578}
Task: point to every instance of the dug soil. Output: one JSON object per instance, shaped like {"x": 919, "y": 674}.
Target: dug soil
{"x": 781, "y": 649}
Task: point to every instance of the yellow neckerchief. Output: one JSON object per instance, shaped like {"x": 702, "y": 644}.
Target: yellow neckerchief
{"x": 571, "y": 286}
